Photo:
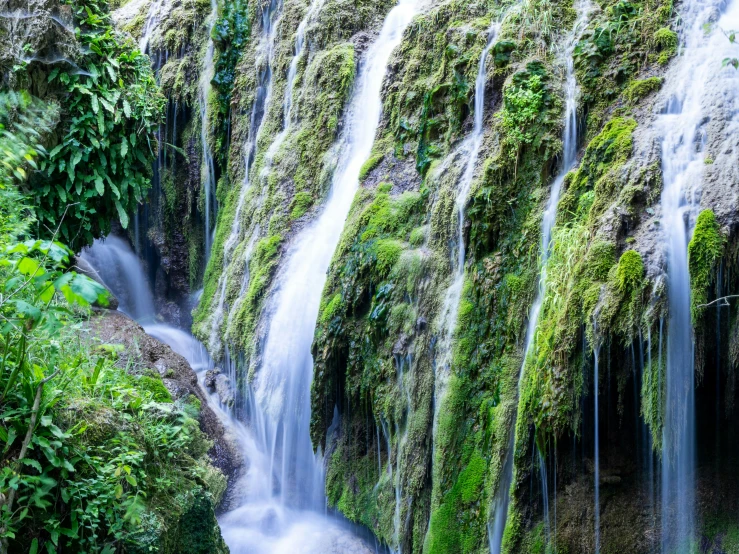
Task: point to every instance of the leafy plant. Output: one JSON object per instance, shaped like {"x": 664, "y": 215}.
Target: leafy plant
{"x": 101, "y": 167}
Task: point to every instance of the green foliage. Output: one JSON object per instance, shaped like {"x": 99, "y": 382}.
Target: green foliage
{"x": 301, "y": 204}
{"x": 639, "y": 89}
{"x": 369, "y": 165}
{"x": 100, "y": 168}
{"x": 525, "y": 102}
{"x": 24, "y": 120}
{"x": 89, "y": 462}
{"x": 230, "y": 34}
{"x": 704, "y": 254}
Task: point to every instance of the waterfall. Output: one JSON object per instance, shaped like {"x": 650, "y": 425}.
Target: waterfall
{"x": 262, "y": 526}
{"x": 209, "y": 183}
{"x": 470, "y": 150}
{"x": 569, "y": 142}
{"x": 120, "y": 271}
{"x": 682, "y": 125}
{"x": 264, "y": 63}
{"x": 285, "y": 474}
{"x": 153, "y": 17}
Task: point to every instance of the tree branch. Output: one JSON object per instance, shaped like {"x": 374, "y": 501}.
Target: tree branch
{"x": 722, "y": 302}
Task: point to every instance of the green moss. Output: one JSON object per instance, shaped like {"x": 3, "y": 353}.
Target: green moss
{"x": 155, "y": 387}
{"x": 331, "y": 309}
{"x": 198, "y": 529}
{"x": 369, "y": 165}
{"x": 387, "y": 252}
{"x": 704, "y": 253}
{"x": 418, "y": 236}
{"x": 639, "y": 89}
{"x": 666, "y": 39}
{"x": 630, "y": 272}
{"x": 613, "y": 144}
{"x": 301, "y": 203}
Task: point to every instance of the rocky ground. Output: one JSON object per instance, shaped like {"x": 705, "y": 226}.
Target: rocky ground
{"x": 139, "y": 349}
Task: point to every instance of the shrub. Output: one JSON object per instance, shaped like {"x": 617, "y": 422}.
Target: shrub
{"x": 101, "y": 166}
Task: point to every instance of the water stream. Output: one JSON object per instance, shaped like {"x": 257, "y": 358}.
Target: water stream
{"x": 682, "y": 125}
{"x": 279, "y": 397}
{"x": 470, "y": 150}
{"x": 208, "y": 167}
{"x": 264, "y": 60}
{"x": 262, "y": 525}
{"x": 570, "y": 144}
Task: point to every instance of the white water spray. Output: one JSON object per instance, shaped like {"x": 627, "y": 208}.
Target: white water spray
{"x": 278, "y": 400}
{"x": 569, "y": 140}
{"x": 697, "y": 90}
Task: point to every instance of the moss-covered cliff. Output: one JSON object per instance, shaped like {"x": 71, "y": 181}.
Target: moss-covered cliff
{"x": 445, "y": 395}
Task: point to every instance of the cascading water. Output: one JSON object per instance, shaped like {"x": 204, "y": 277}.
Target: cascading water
{"x": 711, "y": 92}
{"x": 120, "y": 270}
{"x": 153, "y": 17}
{"x": 263, "y": 95}
{"x": 263, "y": 527}
{"x": 471, "y": 151}
{"x": 287, "y": 121}
{"x": 570, "y": 142}
{"x": 286, "y": 475}
{"x": 208, "y": 168}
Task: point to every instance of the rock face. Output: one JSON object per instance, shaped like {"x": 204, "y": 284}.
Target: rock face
{"x": 218, "y": 383}
{"x": 421, "y": 468}
{"x": 112, "y": 327}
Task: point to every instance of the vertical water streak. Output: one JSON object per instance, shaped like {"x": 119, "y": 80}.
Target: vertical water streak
{"x": 596, "y": 456}
{"x": 264, "y": 63}
{"x": 470, "y": 150}
{"x": 544, "y": 496}
{"x": 682, "y": 125}
{"x": 286, "y": 475}
{"x": 208, "y": 168}
{"x": 570, "y": 143}
{"x": 153, "y": 17}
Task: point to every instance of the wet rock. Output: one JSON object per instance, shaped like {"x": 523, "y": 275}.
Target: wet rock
{"x": 219, "y": 384}
{"x": 141, "y": 351}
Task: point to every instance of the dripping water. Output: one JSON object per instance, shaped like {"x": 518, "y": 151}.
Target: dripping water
{"x": 499, "y": 508}
{"x": 208, "y": 167}
{"x": 470, "y": 150}
{"x": 682, "y": 126}
{"x": 264, "y": 62}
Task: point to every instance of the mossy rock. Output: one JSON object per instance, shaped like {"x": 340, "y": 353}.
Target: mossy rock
{"x": 704, "y": 253}
{"x": 639, "y": 89}
{"x": 154, "y": 386}
{"x": 198, "y": 531}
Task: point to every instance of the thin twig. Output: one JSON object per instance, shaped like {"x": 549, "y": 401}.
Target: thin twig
{"x": 724, "y": 301}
